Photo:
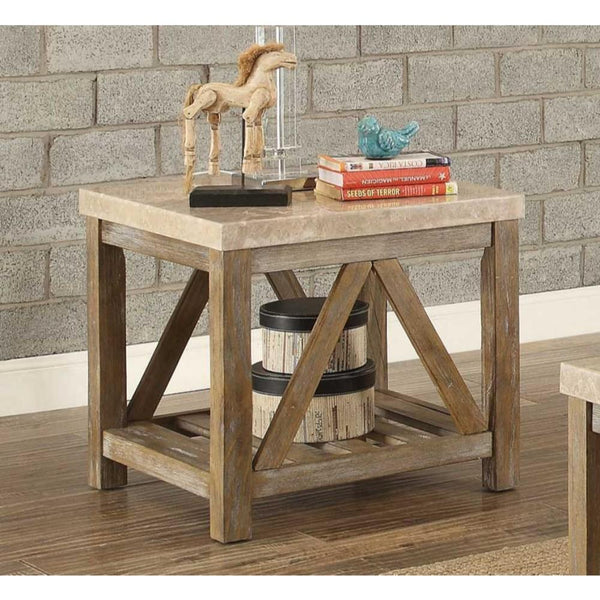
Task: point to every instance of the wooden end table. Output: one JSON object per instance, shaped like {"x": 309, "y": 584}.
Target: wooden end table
{"x": 580, "y": 380}
{"x": 213, "y": 453}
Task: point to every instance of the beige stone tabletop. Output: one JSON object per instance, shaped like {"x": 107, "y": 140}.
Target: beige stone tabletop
{"x": 160, "y": 206}
{"x": 581, "y": 379}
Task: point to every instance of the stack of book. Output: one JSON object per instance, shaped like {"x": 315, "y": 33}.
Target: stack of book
{"x": 416, "y": 175}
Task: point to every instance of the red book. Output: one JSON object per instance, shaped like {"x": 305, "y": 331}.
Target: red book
{"x": 389, "y": 177}
{"x": 377, "y": 193}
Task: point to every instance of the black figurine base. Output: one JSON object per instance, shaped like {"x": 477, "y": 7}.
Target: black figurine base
{"x": 230, "y": 196}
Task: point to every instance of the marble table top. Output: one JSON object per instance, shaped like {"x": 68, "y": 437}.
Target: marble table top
{"x": 160, "y": 206}
{"x": 581, "y": 379}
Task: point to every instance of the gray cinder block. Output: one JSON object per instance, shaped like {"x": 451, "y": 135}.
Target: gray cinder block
{"x": 572, "y": 118}
{"x": 42, "y": 105}
{"x": 202, "y": 45}
{"x": 346, "y": 86}
{"x": 21, "y": 163}
{"x": 40, "y": 219}
{"x": 22, "y": 275}
{"x": 446, "y": 77}
{"x": 572, "y": 217}
{"x": 396, "y": 39}
{"x": 102, "y": 156}
{"x": 550, "y": 269}
{"x": 97, "y": 47}
{"x": 19, "y": 50}
{"x": 498, "y": 124}
{"x": 490, "y": 36}
{"x": 541, "y": 171}
{"x": 541, "y": 71}
{"x": 144, "y": 96}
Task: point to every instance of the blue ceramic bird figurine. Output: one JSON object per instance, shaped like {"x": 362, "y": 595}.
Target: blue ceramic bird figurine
{"x": 377, "y": 142}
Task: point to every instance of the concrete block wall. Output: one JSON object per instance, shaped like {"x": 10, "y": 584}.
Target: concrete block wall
{"x": 516, "y": 107}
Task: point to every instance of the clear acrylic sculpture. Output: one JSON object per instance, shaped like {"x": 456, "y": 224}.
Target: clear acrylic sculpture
{"x": 281, "y": 162}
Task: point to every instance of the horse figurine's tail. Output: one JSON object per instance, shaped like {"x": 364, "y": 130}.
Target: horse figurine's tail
{"x": 189, "y": 139}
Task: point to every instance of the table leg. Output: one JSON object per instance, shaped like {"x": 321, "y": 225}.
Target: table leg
{"x": 106, "y": 353}
{"x": 374, "y": 295}
{"x": 500, "y": 354}
{"x": 584, "y": 490}
{"x": 231, "y": 396}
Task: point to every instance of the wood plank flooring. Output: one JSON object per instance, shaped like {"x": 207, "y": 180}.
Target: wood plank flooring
{"x": 51, "y": 522}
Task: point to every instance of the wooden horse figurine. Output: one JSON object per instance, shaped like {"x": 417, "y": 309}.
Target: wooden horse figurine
{"x": 254, "y": 91}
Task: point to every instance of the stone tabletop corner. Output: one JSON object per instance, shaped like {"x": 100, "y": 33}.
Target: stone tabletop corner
{"x": 581, "y": 379}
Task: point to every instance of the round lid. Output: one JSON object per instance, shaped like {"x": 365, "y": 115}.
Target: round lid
{"x": 331, "y": 384}
{"x": 300, "y": 314}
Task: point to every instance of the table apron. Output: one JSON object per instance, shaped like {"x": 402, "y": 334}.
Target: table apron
{"x": 308, "y": 254}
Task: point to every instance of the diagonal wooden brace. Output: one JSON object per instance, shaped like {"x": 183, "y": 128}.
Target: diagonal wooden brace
{"x": 313, "y": 362}
{"x": 428, "y": 345}
{"x": 285, "y": 284}
{"x": 170, "y": 347}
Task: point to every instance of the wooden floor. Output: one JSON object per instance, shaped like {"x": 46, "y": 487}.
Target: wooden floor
{"x": 51, "y": 522}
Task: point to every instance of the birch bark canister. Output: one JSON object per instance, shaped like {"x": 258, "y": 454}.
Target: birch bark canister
{"x": 287, "y": 325}
{"x": 343, "y": 406}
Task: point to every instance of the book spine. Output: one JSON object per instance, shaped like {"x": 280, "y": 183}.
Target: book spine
{"x": 400, "y": 191}
{"x": 362, "y": 179}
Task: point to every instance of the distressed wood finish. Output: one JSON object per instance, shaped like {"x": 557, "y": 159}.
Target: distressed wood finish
{"x": 153, "y": 244}
{"x": 501, "y": 471}
{"x": 373, "y": 294}
{"x": 304, "y": 381}
{"x": 488, "y": 333}
{"x": 584, "y": 490}
{"x": 171, "y": 345}
{"x": 367, "y": 465}
{"x": 373, "y": 247}
{"x": 285, "y": 284}
{"x": 161, "y": 453}
{"x": 429, "y": 347}
{"x": 410, "y": 411}
{"x": 107, "y": 379}
{"x": 199, "y": 423}
{"x": 231, "y": 397}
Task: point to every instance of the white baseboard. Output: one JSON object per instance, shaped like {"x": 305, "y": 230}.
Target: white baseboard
{"x": 60, "y": 380}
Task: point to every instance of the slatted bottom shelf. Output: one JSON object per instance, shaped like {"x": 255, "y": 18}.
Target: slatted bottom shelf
{"x": 409, "y": 434}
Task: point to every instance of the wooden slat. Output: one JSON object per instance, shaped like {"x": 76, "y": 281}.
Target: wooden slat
{"x": 306, "y": 377}
{"x": 231, "y": 396}
{"x": 596, "y": 418}
{"x": 501, "y": 471}
{"x": 199, "y": 423}
{"x": 394, "y": 433}
{"x": 373, "y": 294}
{"x": 361, "y": 249}
{"x": 584, "y": 490}
{"x": 385, "y": 461}
{"x": 429, "y": 347}
{"x": 107, "y": 381}
{"x": 153, "y": 244}
{"x": 170, "y": 348}
{"x": 285, "y": 284}
{"x": 162, "y": 453}
{"x": 355, "y": 446}
{"x": 396, "y": 406}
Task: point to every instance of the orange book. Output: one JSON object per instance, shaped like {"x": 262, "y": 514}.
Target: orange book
{"x": 384, "y": 178}
{"x": 375, "y": 193}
